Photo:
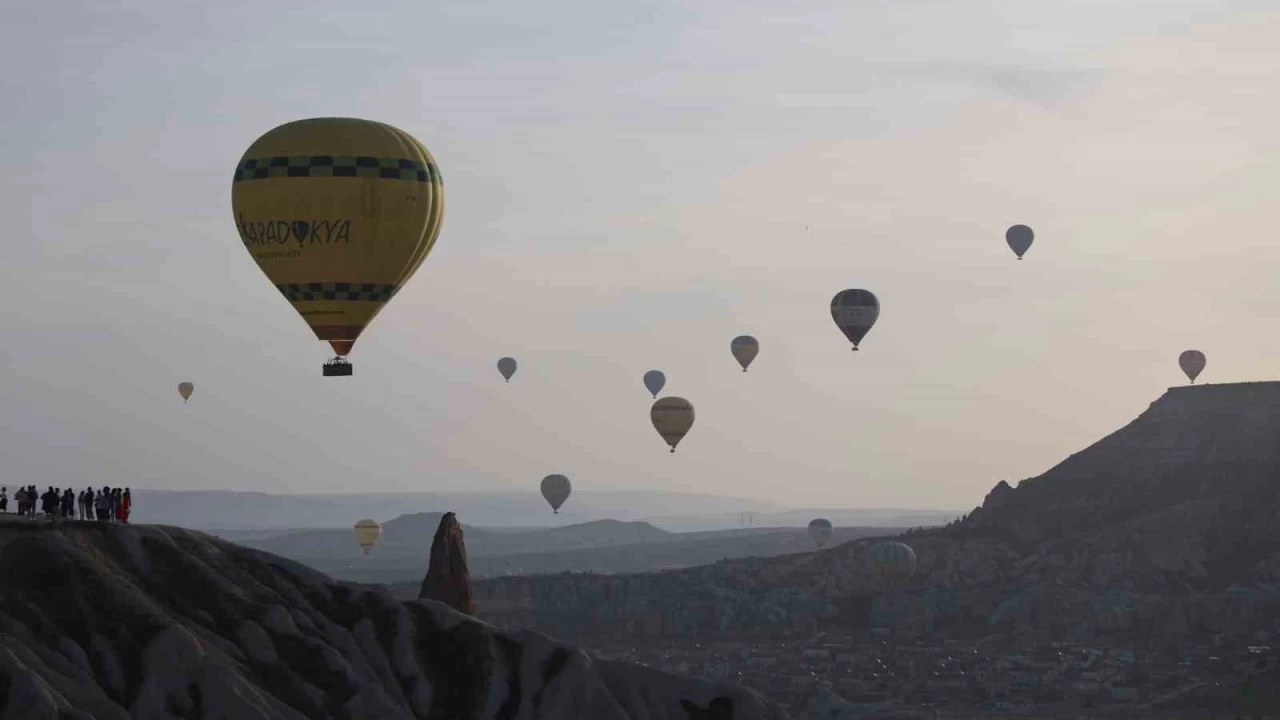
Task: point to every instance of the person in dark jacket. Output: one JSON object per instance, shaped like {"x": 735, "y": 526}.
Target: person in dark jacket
{"x": 4, "y": 499}
{"x": 33, "y": 501}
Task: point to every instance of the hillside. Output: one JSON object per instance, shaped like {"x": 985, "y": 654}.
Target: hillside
{"x": 1167, "y": 528}
{"x": 1187, "y": 492}
{"x": 149, "y": 623}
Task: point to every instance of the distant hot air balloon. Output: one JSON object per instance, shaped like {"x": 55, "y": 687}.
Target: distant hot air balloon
{"x": 507, "y": 366}
{"x": 894, "y": 562}
{"x": 1192, "y": 363}
{"x": 820, "y": 531}
{"x": 744, "y": 349}
{"x": 672, "y": 417}
{"x": 367, "y": 534}
{"x": 1019, "y": 238}
{"x": 339, "y": 213}
{"x": 556, "y": 488}
{"x": 654, "y": 381}
{"x": 185, "y": 389}
{"x": 855, "y": 312}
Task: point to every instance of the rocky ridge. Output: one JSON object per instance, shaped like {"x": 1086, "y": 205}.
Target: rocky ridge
{"x": 111, "y": 622}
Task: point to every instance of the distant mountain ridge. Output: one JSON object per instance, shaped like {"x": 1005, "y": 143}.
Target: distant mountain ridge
{"x": 600, "y": 545}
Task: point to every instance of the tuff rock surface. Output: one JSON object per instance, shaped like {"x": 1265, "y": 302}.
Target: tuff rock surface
{"x": 112, "y": 622}
{"x": 447, "y": 580}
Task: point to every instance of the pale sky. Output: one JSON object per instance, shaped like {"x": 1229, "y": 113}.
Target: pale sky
{"x": 627, "y": 188}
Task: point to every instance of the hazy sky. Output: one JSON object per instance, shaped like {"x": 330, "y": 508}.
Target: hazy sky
{"x": 627, "y": 187}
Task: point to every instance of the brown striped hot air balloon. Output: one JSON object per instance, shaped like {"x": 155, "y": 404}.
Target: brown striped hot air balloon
{"x": 338, "y": 213}
{"x": 672, "y": 417}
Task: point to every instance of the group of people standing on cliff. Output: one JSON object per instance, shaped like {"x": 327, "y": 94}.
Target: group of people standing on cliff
{"x": 105, "y": 505}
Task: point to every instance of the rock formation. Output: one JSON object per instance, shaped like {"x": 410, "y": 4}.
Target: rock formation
{"x": 136, "y": 622}
{"x": 447, "y": 580}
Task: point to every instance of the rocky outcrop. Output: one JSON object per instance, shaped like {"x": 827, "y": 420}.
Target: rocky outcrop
{"x": 112, "y": 622}
{"x": 447, "y": 580}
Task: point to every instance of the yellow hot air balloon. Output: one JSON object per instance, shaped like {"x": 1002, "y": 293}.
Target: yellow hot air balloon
{"x": 185, "y": 389}
{"x": 367, "y": 534}
{"x": 338, "y": 213}
{"x": 672, "y": 417}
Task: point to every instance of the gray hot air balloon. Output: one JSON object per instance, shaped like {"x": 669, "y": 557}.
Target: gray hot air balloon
{"x": 507, "y": 366}
{"x": 672, "y": 417}
{"x": 1019, "y": 238}
{"x": 1192, "y": 363}
{"x": 744, "y": 348}
{"x": 855, "y": 312}
{"x": 654, "y": 381}
{"x": 819, "y": 531}
{"x": 185, "y": 389}
{"x": 555, "y": 488}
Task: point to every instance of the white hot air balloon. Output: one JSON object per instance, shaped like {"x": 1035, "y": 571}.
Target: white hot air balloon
{"x": 819, "y": 531}
{"x": 556, "y": 489}
{"x": 367, "y": 534}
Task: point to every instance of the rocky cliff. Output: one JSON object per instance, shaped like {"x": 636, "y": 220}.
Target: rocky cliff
{"x": 1166, "y": 527}
{"x": 112, "y": 622}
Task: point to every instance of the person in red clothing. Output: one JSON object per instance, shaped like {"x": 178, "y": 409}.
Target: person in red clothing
{"x": 126, "y": 503}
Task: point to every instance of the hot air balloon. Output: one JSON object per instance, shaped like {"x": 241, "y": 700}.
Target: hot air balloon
{"x": 894, "y": 562}
{"x": 855, "y": 312}
{"x": 1019, "y": 238}
{"x": 820, "y": 531}
{"x": 1192, "y": 363}
{"x": 507, "y": 366}
{"x": 556, "y": 488}
{"x": 185, "y": 389}
{"x": 338, "y": 213}
{"x": 367, "y": 534}
{"x": 654, "y": 381}
{"x": 744, "y": 348}
{"x": 672, "y": 417}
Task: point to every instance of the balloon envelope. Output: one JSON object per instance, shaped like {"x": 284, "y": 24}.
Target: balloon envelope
{"x": 819, "y": 531}
{"x": 855, "y": 312}
{"x": 338, "y": 213}
{"x": 654, "y": 381}
{"x": 744, "y": 349}
{"x": 185, "y": 389}
{"x": 1019, "y": 238}
{"x": 895, "y": 562}
{"x": 1192, "y": 363}
{"x": 672, "y": 417}
{"x": 556, "y": 488}
{"x": 367, "y": 534}
{"x": 507, "y": 366}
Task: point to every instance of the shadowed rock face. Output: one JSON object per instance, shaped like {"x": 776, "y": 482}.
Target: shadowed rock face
{"x": 108, "y": 622}
{"x": 447, "y": 580}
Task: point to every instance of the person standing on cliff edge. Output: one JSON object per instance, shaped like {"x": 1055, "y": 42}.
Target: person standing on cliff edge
{"x": 4, "y": 500}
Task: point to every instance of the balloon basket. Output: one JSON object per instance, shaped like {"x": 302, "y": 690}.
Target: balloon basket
{"x": 337, "y": 367}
